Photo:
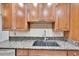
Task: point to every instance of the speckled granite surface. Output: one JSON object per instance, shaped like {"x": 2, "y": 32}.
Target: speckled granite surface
{"x": 65, "y": 45}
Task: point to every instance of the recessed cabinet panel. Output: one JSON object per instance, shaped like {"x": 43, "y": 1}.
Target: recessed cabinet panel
{"x": 73, "y": 53}
{"x": 20, "y": 17}
{"x": 7, "y": 16}
{"x": 39, "y": 52}
{"x": 74, "y": 22}
{"x": 47, "y": 53}
{"x": 22, "y": 52}
{"x": 33, "y": 12}
{"x": 62, "y": 17}
{"x": 47, "y": 11}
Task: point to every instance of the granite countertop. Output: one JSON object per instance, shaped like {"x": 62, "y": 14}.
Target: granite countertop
{"x": 27, "y": 44}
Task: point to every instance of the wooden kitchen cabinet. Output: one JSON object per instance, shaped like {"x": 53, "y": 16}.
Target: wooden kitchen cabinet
{"x": 39, "y": 52}
{"x": 47, "y": 53}
{"x": 33, "y": 12}
{"x": 62, "y": 17}
{"x": 22, "y": 52}
{"x": 41, "y": 12}
{"x": 74, "y": 22}
{"x": 73, "y": 53}
{"x": 7, "y": 16}
{"x": 21, "y": 17}
{"x": 47, "y": 12}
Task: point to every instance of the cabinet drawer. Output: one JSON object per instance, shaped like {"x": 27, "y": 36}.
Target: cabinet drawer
{"x": 7, "y": 52}
{"x": 73, "y": 53}
{"x": 47, "y": 53}
{"x": 22, "y": 52}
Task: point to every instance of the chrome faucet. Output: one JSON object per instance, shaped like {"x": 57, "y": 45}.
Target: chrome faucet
{"x": 45, "y": 38}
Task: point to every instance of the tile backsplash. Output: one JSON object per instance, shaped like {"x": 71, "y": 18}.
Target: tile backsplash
{"x": 37, "y": 30}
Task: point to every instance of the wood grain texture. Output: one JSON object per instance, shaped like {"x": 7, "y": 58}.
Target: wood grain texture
{"x": 33, "y": 12}
{"x": 62, "y": 17}
{"x": 73, "y": 53}
{"x": 47, "y": 12}
{"x": 20, "y": 18}
{"x": 22, "y": 52}
{"x": 47, "y": 53}
{"x": 39, "y": 52}
{"x": 66, "y": 34}
{"x": 7, "y": 16}
{"x": 74, "y": 23}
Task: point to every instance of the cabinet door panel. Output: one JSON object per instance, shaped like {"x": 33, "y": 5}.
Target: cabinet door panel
{"x": 73, "y": 53}
{"x": 62, "y": 17}
{"x": 74, "y": 22}
{"x": 22, "y": 52}
{"x": 47, "y": 11}
{"x": 21, "y": 18}
{"x": 7, "y": 16}
{"x": 33, "y": 12}
{"x": 47, "y": 53}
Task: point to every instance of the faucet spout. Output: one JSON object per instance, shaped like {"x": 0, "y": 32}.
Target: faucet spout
{"x": 45, "y": 38}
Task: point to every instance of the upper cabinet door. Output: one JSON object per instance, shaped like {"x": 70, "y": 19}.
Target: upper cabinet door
{"x": 33, "y": 12}
{"x": 20, "y": 17}
{"x": 62, "y": 17}
{"x": 7, "y": 16}
{"x": 47, "y": 12}
{"x": 74, "y": 22}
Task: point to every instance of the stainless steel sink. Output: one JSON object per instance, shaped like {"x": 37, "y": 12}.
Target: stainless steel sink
{"x": 45, "y": 43}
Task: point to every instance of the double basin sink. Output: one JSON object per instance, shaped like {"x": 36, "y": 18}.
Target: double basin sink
{"x": 45, "y": 43}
